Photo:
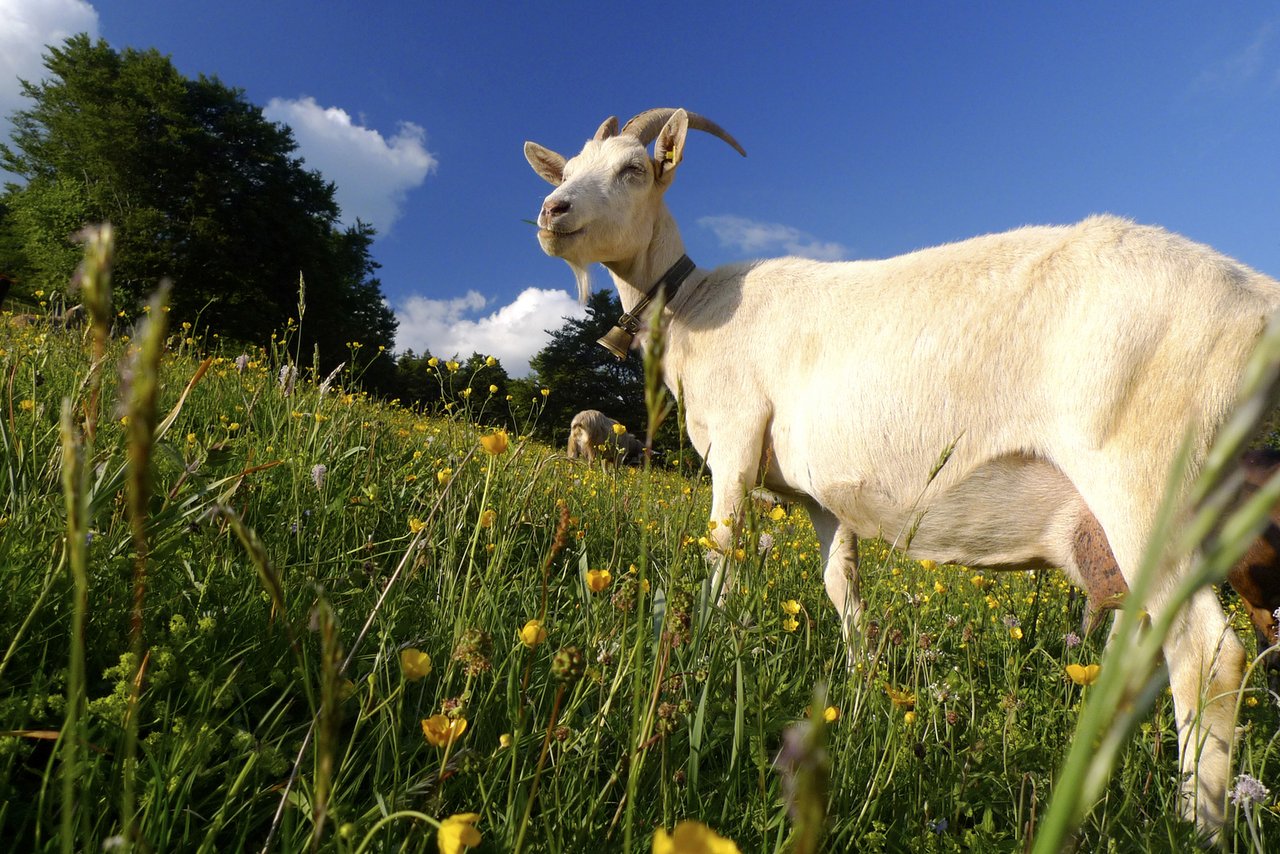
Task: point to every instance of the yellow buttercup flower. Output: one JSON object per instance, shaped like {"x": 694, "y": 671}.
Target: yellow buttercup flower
{"x": 831, "y": 714}
{"x": 909, "y": 718}
{"x": 777, "y": 514}
{"x": 791, "y": 606}
{"x": 489, "y": 361}
{"x": 790, "y": 624}
{"x": 488, "y": 517}
{"x": 414, "y": 663}
{"x": 495, "y": 444}
{"x": 1082, "y": 674}
{"x": 692, "y": 837}
{"x": 598, "y": 579}
{"x": 929, "y": 565}
{"x": 458, "y": 833}
{"x": 619, "y": 429}
{"x": 533, "y": 633}
{"x": 1015, "y": 632}
{"x": 416, "y": 524}
{"x": 442, "y": 476}
{"x": 901, "y": 699}
{"x": 440, "y": 730}
{"x": 433, "y": 362}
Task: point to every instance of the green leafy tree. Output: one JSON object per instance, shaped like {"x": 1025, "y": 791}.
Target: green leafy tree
{"x": 200, "y": 187}
{"x": 415, "y": 383}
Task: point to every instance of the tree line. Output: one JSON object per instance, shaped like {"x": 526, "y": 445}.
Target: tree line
{"x": 204, "y": 190}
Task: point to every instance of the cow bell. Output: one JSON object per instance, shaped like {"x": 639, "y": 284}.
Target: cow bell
{"x": 617, "y": 341}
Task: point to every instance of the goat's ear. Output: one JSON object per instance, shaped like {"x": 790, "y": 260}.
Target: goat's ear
{"x": 669, "y": 148}
{"x": 545, "y": 162}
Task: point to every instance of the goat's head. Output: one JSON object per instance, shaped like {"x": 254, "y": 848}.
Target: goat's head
{"x": 608, "y": 197}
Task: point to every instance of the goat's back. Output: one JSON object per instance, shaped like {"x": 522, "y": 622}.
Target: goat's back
{"x": 1042, "y": 341}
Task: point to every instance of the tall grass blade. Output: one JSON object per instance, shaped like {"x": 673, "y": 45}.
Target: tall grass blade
{"x": 328, "y": 719}
{"x": 142, "y": 382}
{"x": 74, "y": 488}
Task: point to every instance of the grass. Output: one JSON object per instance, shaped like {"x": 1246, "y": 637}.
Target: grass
{"x": 296, "y": 556}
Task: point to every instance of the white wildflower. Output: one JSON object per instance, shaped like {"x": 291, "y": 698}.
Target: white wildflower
{"x": 288, "y": 376}
{"x": 1248, "y": 790}
{"x": 766, "y": 543}
{"x": 328, "y": 381}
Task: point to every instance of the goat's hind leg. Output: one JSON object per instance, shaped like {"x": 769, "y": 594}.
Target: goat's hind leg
{"x": 1206, "y": 669}
{"x": 1204, "y": 657}
{"x": 840, "y": 576}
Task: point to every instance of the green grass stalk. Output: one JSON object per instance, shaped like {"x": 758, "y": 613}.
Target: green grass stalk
{"x": 75, "y": 490}
{"x": 95, "y": 292}
{"x": 329, "y": 716}
{"x": 140, "y": 412}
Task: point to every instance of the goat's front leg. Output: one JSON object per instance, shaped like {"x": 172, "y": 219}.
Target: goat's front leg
{"x": 734, "y": 468}
{"x": 840, "y": 575}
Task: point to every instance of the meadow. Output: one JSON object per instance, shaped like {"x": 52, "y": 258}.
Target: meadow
{"x": 246, "y": 605}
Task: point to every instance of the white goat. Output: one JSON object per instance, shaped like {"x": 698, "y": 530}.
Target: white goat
{"x": 1063, "y": 363}
{"x": 590, "y": 429}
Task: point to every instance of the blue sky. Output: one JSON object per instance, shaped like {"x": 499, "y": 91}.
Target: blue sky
{"x": 871, "y": 128}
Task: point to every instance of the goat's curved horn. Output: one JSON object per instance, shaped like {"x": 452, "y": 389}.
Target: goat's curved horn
{"x": 646, "y": 125}
{"x": 608, "y": 128}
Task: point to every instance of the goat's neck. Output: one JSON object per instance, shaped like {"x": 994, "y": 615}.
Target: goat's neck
{"x": 634, "y": 276}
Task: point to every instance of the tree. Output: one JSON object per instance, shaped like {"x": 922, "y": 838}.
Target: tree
{"x": 200, "y": 187}
{"x": 478, "y": 386}
{"x": 583, "y": 375}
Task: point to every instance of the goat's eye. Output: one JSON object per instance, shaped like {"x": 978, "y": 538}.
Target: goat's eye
{"x": 633, "y": 170}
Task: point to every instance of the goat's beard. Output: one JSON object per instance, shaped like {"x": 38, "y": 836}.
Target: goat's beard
{"x": 582, "y": 274}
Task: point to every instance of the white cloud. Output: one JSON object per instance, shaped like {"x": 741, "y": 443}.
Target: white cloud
{"x": 26, "y": 27}
{"x": 373, "y": 173}
{"x": 769, "y": 238}
{"x": 512, "y": 333}
{"x": 1249, "y": 63}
